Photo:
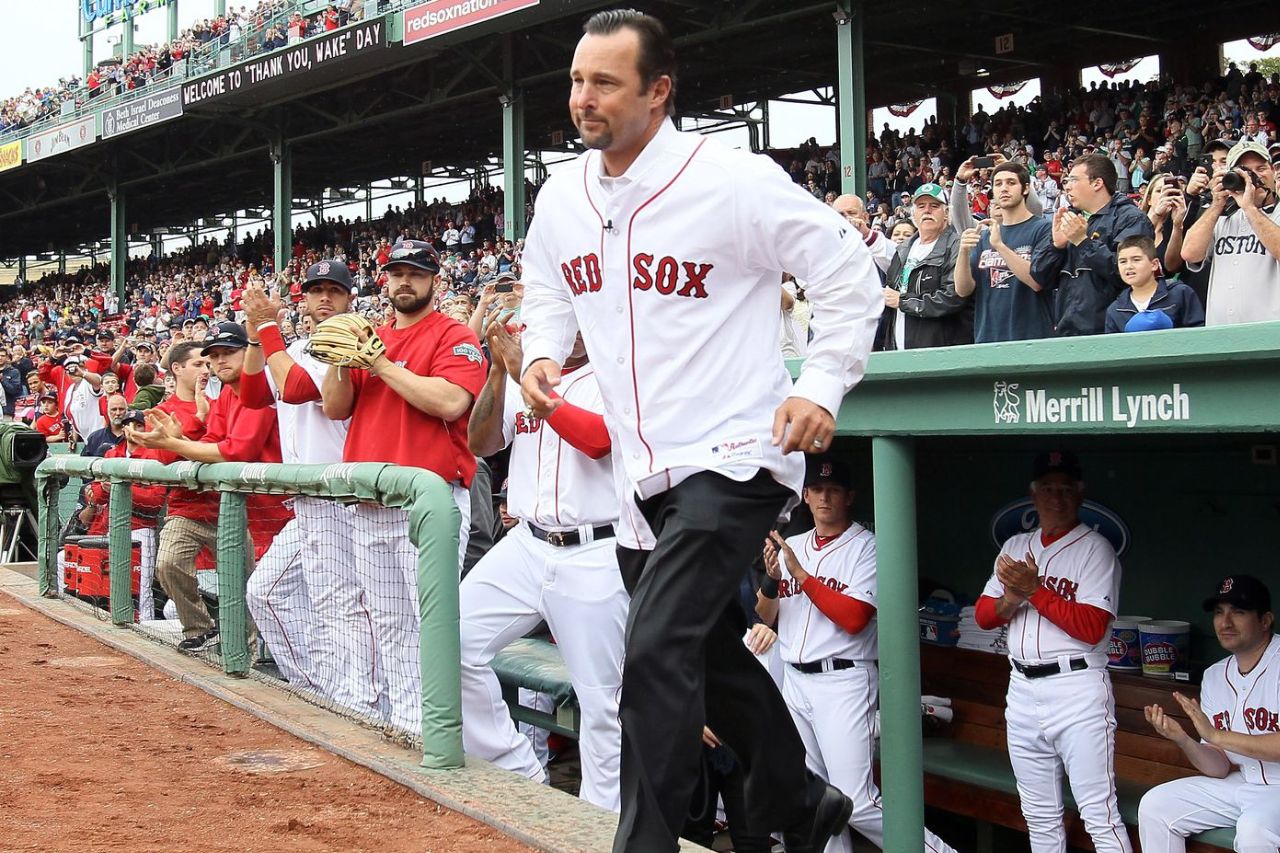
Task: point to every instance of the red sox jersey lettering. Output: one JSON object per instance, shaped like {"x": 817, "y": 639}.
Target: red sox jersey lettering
{"x": 582, "y": 274}
{"x": 527, "y": 424}
{"x": 1259, "y": 720}
{"x": 1063, "y": 586}
{"x": 664, "y": 274}
{"x": 788, "y": 587}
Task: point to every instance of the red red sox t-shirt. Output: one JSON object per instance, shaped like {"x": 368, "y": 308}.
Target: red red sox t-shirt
{"x": 386, "y": 428}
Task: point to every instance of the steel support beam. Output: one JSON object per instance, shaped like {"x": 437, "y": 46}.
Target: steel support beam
{"x": 219, "y": 8}
{"x": 282, "y": 200}
{"x": 852, "y": 97}
{"x": 173, "y": 20}
{"x": 901, "y": 763}
{"x": 22, "y": 268}
{"x": 86, "y": 44}
{"x": 127, "y": 36}
{"x": 119, "y": 240}
{"x": 512, "y": 150}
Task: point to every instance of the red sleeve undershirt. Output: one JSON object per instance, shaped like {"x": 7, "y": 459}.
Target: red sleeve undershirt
{"x": 584, "y": 430}
{"x": 298, "y": 385}
{"x": 255, "y": 393}
{"x": 1083, "y": 622}
{"x": 849, "y": 613}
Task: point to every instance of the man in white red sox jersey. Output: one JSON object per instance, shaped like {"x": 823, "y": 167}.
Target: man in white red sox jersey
{"x": 665, "y": 250}
{"x": 1058, "y": 587}
{"x": 1238, "y": 723}
{"x": 559, "y": 563}
{"x": 826, "y": 615}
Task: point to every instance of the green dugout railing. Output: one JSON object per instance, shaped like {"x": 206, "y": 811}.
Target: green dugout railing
{"x": 433, "y": 529}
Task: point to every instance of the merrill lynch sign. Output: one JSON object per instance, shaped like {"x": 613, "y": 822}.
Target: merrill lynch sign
{"x": 1098, "y": 404}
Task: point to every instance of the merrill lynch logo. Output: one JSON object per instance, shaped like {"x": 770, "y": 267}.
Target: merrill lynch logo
{"x": 1090, "y": 406}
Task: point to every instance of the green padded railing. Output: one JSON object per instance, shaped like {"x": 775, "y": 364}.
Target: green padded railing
{"x": 433, "y": 529}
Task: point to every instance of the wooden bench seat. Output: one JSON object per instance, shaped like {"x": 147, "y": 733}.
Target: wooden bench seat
{"x": 969, "y": 773}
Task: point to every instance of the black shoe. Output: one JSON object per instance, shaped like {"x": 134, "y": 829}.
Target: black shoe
{"x": 830, "y": 818}
{"x": 199, "y": 643}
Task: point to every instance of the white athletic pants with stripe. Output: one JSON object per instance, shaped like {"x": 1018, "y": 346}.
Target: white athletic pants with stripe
{"x": 276, "y": 593}
{"x": 1172, "y": 811}
{"x": 1065, "y": 721}
{"x": 387, "y": 571}
{"x": 834, "y": 713}
{"x": 578, "y": 590}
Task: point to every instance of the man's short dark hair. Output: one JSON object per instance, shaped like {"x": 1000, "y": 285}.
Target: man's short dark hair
{"x": 1024, "y": 177}
{"x": 1139, "y": 241}
{"x": 657, "y": 53}
{"x": 181, "y": 353}
{"x": 1098, "y": 166}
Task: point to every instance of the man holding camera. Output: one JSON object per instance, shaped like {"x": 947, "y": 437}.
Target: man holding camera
{"x": 1240, "y": 230}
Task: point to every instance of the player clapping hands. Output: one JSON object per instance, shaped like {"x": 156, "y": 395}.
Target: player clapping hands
{"x": 775, "y": 547}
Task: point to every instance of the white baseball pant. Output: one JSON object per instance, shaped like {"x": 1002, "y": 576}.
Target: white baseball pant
{"x": 1172, "y": 811}
{"x": 537, "y": 737}
{"x": 276, "y": 593}
{"x": 387, "y": 570}
{"x": 343, "y": 644}
{"x": 1065, "y": 721}
{"x": 578, "y": 590}
{"x": 834, "y": 713}
{"x": 146, "y": 539}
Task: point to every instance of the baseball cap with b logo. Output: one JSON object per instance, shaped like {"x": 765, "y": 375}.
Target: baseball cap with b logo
{"x": 335, "y": 271}
{"x": 828, "y": 469}
{"x": 414, "y": 253}
{"x": 1243, "y": 591}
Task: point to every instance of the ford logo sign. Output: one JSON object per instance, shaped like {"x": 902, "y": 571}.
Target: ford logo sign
{"x": 1020, "y": 516}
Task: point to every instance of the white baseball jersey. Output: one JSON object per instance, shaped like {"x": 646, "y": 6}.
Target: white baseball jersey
{"x": 550, "y": 483}
{"x": 846, "y": 564}
{"x": 1244, "y": 281}
{"x": 1248, "y": 704}
{"x": 671, "y": 273}
{"x": 1081, "y": 567}
{"x": 306, "y": 435}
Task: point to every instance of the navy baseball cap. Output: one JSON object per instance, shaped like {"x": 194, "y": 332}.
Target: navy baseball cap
{"x": 414, "y": 253}
{"x": 1243, "y": 591}
{"x": 828, "y": 469}
{"x": 227, "y": 335}
{"x": 1055, "y": 462}
{"x": 335, "y": 271}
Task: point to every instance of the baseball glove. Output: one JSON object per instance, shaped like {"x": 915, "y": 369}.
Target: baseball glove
{"x": 347, "y": 340}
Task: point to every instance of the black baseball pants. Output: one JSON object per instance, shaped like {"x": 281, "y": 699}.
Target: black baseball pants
{"x": 686, "y": 664}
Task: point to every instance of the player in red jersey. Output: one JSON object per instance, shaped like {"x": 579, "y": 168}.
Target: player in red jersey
{"x": 410, "y": 408}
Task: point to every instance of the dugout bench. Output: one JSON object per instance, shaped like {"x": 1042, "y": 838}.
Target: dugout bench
{"x": 535, "y": 664}
{"x": 967, "y": 772}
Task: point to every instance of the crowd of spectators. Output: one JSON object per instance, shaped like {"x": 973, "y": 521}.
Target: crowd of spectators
{"x": 267, "y": 26}
{"x": 1097, "y": 167}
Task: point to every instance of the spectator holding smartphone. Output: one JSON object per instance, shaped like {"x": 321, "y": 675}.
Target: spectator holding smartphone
{"x": 1166, "y": 207}
{"x": 1240, "y": 231}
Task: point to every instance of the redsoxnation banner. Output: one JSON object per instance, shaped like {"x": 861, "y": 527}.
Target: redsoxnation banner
{"x": 437, "y": 17}
{"x": 334, "y": 47}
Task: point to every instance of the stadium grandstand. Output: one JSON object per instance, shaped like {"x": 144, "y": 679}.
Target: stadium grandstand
{"x": 152, "y": 198}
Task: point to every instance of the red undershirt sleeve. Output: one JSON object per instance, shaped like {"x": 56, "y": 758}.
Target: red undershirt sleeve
{"x": 584, "y": 430}
{"x": 984, "y": 613}
{"x": 299, "y": 387}
{"x": 255, "y": 393}
{"x": 1084, "y": 622}
{"x": 849, "y": 613}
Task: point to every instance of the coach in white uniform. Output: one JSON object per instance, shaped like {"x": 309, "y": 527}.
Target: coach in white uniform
{"x": 559, "y": 563}
{"x": 307, "y": 602}
{"x": 1058, "y": 587}
{"x": 826, "y": 615}
{"x": 1238, "y": 723}
{"x": 665, "y": 250}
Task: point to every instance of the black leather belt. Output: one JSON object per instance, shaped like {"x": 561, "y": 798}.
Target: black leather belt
{"x": 1044, "y": 669}
{"x": 565, "y": 538}
{"x": 828, "y": 665}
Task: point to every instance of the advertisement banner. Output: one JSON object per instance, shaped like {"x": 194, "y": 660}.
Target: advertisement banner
{"x": 293, "y": 62}
{"x": 437, "y": 17}
{"x": 10, "y": 155}
{"x": 61, "y": 139}
{"x": 145, "y": 111}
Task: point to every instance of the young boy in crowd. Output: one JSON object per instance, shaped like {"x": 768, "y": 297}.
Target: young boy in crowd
{"x": 1151, "y": 302}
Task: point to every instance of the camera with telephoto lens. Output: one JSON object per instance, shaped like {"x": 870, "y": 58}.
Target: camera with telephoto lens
{"x": 1233, "y": 182}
